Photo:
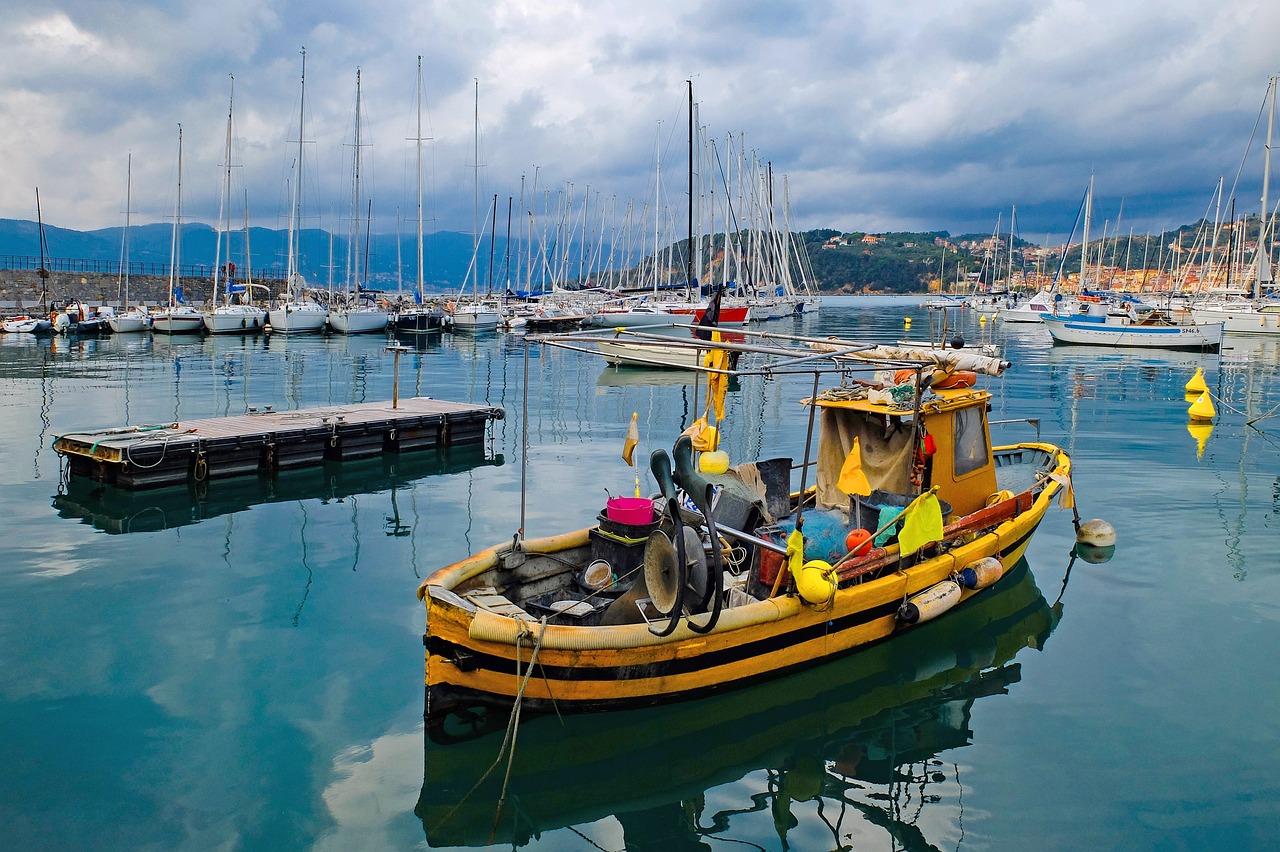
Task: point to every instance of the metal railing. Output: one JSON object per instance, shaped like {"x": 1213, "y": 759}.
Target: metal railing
{"x": 113, "y": 267}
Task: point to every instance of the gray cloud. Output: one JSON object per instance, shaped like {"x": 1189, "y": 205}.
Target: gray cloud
{"x": 881, "y": 115}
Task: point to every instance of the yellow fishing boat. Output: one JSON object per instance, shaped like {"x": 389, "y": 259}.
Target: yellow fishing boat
{"x": 732, "y": 575}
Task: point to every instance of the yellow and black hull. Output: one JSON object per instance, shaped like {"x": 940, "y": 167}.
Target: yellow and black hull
{"x": 475, "y": 656}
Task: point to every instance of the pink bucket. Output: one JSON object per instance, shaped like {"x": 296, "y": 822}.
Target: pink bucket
{"x": 629, "y": 510}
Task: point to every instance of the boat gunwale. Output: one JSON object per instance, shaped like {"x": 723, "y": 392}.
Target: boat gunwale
{"x": 488, "y": 627}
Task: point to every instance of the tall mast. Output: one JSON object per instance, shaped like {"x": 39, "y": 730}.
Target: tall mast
{"x": 44, "y": 254}
{"x": 295, "y": 208}
{"x": 1084, "y": 247}
{"x": 224, "y": 203}
{"x": 688, "y": 251}
{"x": 124, "y": 243}
{"x": 1264, "y": 229}
{"x": 421, "y": 273}
{"x": 175, "y": 247}
{"x": 475, "y": 183}
{"x": 353, "y": 251}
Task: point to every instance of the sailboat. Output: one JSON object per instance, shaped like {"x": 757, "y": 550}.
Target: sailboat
{"x": 232, "y": 311}
{"x": 177, "y": 318}
{"x": 419, "y": 318}
{"x": 38, "y": 324}
{"x": 1253, "y": 315}
{"x": 295, "y": 312}
{"x": 475, "y": 315}
{"x": 353, "y": 316}
{"x": 134, "y": 319}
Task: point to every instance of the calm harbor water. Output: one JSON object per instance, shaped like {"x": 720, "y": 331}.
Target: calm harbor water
{"x": 240, "y": 666}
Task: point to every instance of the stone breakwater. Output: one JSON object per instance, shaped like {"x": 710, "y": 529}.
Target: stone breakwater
{"x": 21, "y": 288}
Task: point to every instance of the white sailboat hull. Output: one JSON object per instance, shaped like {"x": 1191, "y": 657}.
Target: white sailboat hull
{"x": 298, "y": 318}
{"x": 362, "y": 321}
{"x": 1243, "y": 320}
{"x": 130, "y": 322}
{"x": 235, "y": 319}
{"x": 467, "y": 319}
{"x": 1197, "y": 337}
{"x": 177, "y": 321}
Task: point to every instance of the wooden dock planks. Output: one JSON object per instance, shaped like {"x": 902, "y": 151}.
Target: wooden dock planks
{"x": 266, "y": 440}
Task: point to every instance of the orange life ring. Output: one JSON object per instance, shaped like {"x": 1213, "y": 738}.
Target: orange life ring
{"x": 958, "y": 379}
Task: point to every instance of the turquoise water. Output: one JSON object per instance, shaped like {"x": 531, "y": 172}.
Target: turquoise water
{"x": 241, "y": 666}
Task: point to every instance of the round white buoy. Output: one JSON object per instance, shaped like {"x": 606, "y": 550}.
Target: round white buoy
{"x": 1096, "y": 533}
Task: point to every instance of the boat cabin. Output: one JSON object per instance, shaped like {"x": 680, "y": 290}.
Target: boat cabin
{"x": 904, "y": 450}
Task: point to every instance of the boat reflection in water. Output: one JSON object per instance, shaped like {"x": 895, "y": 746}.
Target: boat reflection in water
{"x": 855, "y": 738}
{"x": 117, "y": 510}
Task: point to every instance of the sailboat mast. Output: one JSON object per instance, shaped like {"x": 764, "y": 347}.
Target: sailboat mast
{"x": 44, "y": 254}
{"x": 1084, "y": 246}
{"x": 175, "y": 247}
{"x": 419, "y": 143}
{"x": 295, "y": 207}
{"x": 688, "y": 250}
{"x": 353, "y": 252}
{"x": 475, "y": 182}
{"x": 128, "y": 213}
{"x": 224, "y": 203}
{"x": 1264, "y": 229}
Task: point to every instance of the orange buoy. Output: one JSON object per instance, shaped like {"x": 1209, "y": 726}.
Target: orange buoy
{"x": 958, "y": 379}
{"x": 858, "y": 541}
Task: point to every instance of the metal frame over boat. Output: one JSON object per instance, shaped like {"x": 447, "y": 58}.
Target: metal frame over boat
{"x": 691, "y": 603}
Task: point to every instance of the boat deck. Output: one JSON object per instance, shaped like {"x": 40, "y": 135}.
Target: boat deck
{"x": 266, "y": 440}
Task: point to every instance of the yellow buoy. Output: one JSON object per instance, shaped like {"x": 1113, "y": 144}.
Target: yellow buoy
{"x": 815, "y": 581}
{"x": 1200, "y": 430}
{"x": 1202, "y": 408}
{"x": 715, "y": 462}
{"x": 982, "y": 320}
{"x": 906, "y": 321}
{"x": 1196, "y": 385}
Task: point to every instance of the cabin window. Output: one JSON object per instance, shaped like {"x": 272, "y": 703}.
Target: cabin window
{"x": 970, "y": 441}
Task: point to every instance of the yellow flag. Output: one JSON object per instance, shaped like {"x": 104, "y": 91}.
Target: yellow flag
{"x": 795, "y": 552}
{"x": 717, "y": 383}
{"x": 633, "y": 438}
{"x": 852, "y": 479}
{"x": 921, "y": 524}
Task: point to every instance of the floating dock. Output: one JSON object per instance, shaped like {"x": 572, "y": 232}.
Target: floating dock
{"x": 265, "y": 440}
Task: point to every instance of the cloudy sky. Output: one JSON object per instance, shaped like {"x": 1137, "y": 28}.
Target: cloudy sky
{"x": 909, "y": 114}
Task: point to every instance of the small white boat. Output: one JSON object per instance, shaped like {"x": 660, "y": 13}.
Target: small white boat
{"x": 1032, "y": 310}
{"x": 131, "y": 321}
{"x": 1124, "y": 328}
{"x": 23, "y": 324}
{"x": 633, "y": 316}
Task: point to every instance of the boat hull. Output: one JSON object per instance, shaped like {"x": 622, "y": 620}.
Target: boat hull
{"x": 294, "y": 319}
{"x": 235, "y": 319}
{"x": 473, "y": 653}
{"x": 358, "y": 322}
{"x": 1207, "y": 338}
{"x": 1244, "y": 321}
{"x": 177, "y": 322}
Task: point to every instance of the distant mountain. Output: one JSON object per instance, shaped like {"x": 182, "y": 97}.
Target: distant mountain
{"x": 447, "y": 253}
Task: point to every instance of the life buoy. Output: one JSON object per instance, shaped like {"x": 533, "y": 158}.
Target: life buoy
{"x": 958, "y": 379}
{"x": 449, "y": 306}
